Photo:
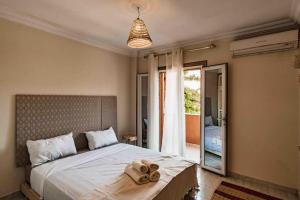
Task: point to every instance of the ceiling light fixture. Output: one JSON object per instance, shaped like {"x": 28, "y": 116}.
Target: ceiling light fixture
{"x": 138, "y": 35}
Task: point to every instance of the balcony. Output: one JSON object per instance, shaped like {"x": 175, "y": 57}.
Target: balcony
{"x": 193, "y": 136}
{"x": 192, "y": 128}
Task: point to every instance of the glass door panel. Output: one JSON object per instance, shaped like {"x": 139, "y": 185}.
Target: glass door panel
{"x": 213, "y": 112}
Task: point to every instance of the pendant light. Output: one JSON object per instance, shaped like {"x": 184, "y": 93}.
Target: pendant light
{"x": 138, "y": 35}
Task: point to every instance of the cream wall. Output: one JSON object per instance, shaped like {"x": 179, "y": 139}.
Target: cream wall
{"x": 298, "y": 72}
{"x": 263, "y": 113}
{"x": 35, "y": 62}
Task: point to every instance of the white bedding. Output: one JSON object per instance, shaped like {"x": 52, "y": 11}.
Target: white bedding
{"x": 99, "y": 174}
{"x": 213, "y": 141}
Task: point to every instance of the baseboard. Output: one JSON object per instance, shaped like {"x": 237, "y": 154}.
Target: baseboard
{"x": 265, "y": 183}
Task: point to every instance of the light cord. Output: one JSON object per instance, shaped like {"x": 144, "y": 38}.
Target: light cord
{"x": 138, "y": 9}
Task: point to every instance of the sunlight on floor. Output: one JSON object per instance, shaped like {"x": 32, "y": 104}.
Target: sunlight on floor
{"x": 193, "y": 152}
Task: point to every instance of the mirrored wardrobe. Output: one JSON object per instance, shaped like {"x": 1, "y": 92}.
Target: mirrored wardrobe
{"x": 213, "y": 118}
{"x": 142, "y": 113}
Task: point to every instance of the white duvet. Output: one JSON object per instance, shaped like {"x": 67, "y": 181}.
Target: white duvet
{"x": 99, "y": 174}
{"x": 213, "y": 140}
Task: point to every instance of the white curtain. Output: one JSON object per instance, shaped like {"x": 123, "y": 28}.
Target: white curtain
{"x": 173, "y": 141}
{"x": 153, "y": 103}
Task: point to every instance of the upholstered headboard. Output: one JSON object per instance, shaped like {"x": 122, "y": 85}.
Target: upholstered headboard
{"x": 46, "y": 116}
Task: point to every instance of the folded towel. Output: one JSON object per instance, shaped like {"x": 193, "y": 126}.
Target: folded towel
{"x": 152, "y": 166}
{"x": 141, "y": 167}
{"x": 138, "y": 177}
{"x": 154, "y": 176}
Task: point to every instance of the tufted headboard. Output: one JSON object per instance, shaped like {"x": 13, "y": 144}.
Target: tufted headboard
{"x": 46, "y": 116}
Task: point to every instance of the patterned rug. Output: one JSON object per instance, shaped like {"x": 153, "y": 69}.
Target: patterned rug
{"x": 231, "y": 191}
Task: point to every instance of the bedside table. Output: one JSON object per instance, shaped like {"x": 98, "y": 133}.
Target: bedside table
{"x": 129, "y": 139}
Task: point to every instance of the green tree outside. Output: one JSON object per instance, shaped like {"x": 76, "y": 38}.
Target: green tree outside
{"x": 192, "y": 101}
{"x": 192, "y": 96}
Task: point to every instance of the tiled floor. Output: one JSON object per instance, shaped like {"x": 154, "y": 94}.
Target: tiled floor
{"x": 193, "y": 152}
{"x": 208, "y": 182}
{"x": 212, "y": 160}
{"x": 15, "y": 196}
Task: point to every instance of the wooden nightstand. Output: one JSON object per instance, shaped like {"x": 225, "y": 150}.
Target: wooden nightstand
{"x": 130, "y": 139}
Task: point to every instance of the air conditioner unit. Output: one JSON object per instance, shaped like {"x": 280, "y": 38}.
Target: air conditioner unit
{"x": 265, "y": 44}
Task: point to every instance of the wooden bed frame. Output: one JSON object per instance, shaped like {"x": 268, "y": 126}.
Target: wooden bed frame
{"x": 32, "y": 195}
{"x": 29, "y": 193}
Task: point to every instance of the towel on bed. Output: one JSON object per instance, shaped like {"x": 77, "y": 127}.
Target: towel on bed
{"x": 152, "y": 166}
{"x": 154, "y": 176}
{"x": 141, "y": 167}
{"x": 138, "y": 177}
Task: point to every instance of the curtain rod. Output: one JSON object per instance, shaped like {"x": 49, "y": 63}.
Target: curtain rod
{"x": 210, "y": 46}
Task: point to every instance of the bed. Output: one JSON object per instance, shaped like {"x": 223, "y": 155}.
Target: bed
{"x": 213, "y": 141}
{"x": 96, "y": 174}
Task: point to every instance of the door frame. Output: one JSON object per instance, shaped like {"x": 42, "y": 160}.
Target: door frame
{"x": 198, "y": 65}
{"x": 224, "y": 67}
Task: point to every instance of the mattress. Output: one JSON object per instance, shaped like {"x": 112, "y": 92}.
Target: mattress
{"x": 213, "y": 140}
{"x": 28, "y": 168}
{"x": 99, "y": 174}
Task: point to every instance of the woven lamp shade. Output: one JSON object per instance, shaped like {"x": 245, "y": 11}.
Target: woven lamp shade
{"x": 138, "y": 35}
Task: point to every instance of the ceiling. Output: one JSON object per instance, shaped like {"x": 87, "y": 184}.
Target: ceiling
{"x": 106, "y": 23}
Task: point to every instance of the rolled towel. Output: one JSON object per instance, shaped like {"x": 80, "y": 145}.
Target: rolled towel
{"x": 154, "y": 176}
{"x": 152, "y": 166}
{"x": 141, "y": 167}
{"x": 138, "y": 177}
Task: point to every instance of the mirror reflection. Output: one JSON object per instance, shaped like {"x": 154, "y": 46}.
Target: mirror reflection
{"x": 213, "y": 119}
{"x": 144, "y": 112}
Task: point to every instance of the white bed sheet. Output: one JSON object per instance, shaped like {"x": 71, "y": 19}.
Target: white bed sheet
{"x": 99, "y": 174}
{"x": 213, "y": 141}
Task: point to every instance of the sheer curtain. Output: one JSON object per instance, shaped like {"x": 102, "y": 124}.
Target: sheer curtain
{"x": 153, "y": 103}
{"x": 173, "y": 141}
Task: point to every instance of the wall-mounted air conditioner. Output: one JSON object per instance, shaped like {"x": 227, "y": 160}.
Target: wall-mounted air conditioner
{"x": 265, "y": 44}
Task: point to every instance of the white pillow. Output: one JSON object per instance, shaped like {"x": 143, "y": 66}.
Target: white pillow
{"x": 41, "y": 151}
{"x": 208, "y": 121}
{"x": 97, "y": 139}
